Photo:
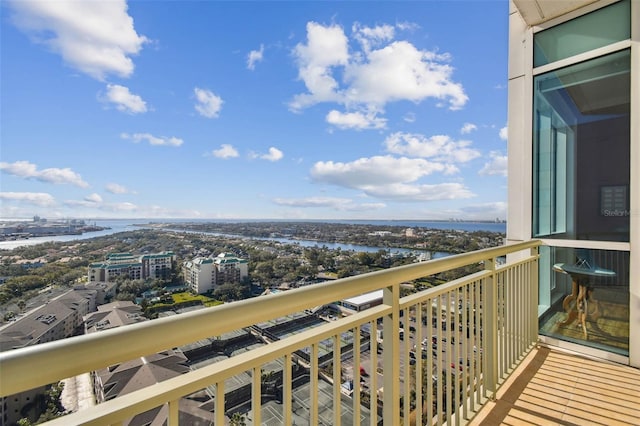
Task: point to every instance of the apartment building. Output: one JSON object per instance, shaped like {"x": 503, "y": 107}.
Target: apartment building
{"x": 199, "y": 274}
{"x": 574, "y": 166}
{"x": 158, "y": 265}
{"x": 204, "y": 274}
{"x": 58, "y": 319}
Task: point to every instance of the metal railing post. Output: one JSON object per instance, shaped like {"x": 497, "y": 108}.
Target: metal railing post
{"x": 391, "y": 356}
{"x": 490, "y": 330}
{"x": 533, "y": 301}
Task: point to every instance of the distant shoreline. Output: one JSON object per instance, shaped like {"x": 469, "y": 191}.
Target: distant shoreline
{"x": 122, "y": 225}
{"x": 168, "y": 219}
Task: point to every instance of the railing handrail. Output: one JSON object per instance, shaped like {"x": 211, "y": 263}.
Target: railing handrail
{"x": 38, "y": 365}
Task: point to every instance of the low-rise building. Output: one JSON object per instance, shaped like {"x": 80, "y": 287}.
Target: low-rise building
{"x": 158, "y": 265}
{"x": 113, "y": 315}
{"x": 57, "y": 319}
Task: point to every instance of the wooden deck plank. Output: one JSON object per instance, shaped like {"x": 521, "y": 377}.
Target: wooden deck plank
{"x": 556, "y": 388}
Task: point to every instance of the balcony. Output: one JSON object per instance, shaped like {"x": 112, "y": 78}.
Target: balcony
{"x": 470, "y": 335}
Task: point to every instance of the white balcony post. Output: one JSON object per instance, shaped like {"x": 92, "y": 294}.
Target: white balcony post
{"x": 391, "y": 356}
{"x": 490, "y": 330}
{"x": 533, "y": 296}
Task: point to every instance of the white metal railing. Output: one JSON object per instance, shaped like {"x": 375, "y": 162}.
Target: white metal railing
{"x": 475, "y": 330}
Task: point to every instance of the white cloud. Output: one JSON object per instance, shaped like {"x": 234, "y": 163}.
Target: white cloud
{"x": 383, "y": 71}
{"x": 225, "y": 151}
{"x": 369, "y": 37}
{"x": 326, "y": 47}
{"x": 407, "y": 26}
{"x": 389, "y": 178}
{"x": 341, "y": 204}
{"x": 36, "y": 198}
{"x": 468, "y": 128}
{"x": 96, "y": 37}
{"x": 209, "y": 104}
{"x": 125, "y": 100}
{"x": 496, "y": 166}
{"x": 27, "y": 170}
{"x": 377, "y": 170}
{"x": 400, "y": 71}
{"x": 101, "y": 206}
{"x": 504, "y": 133}
{"x": 423, "y": 192}
{"x": 115, "y": 188}
{"x": 410, "y": 117}
{"x": 153, "y": 140}
{"x": 355, "y": 120}
{"x": 93, "y": 198}
{"x": 496, "y": 209}
{"x": 438, "y": 147}
{"x": 274, "y": 154}
{"x": 120, "y": 207}
{"x": 255, "y": 56}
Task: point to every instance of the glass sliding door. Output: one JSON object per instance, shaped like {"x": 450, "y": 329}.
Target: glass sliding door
{"x": 581, "y": 133}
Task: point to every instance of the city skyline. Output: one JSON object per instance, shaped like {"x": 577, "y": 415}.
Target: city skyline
{"x": 254, "y": 110}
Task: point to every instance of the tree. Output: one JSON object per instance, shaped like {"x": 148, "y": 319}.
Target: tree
{"x": 237, "y": 419}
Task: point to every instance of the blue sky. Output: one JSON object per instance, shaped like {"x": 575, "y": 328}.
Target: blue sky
{"x": 254, "y": 110}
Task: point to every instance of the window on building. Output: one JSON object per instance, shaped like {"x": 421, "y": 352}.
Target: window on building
{"x": 591, "y": 31}
{"x": 581, "y": 148}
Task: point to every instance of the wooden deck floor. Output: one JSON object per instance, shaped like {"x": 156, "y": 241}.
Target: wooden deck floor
{"x": 556, "y": 388}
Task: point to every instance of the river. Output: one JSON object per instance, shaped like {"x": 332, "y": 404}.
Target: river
{"x": 123, "y": 225}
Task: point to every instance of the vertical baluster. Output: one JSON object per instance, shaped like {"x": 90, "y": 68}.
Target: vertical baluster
{"x": 533, "y": 285}
{"x": 490, "y": 330}
{"x": 419, "y": 364}
{"x": 441, "y": 375}
{"x": 356, "y": 375}
{"x": 313, "y": 392}
{"x": 256, "y": 394}
{"x": 447, "y": 346}
{"x": 464, "y": 350}
{"x": 479, "y": 332}
{"x": 287, "y": 394}
{"x": 430, "y": 362}
{"x": 455, "y": 341}
{"x": 337, "y": 379}
{"x": 373, "y": 375}
{"x": 219, "y": 404}
{"x": 174, "y": 413}
{"x": 391, "y": 408}
{"x": 406, "y": 391}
